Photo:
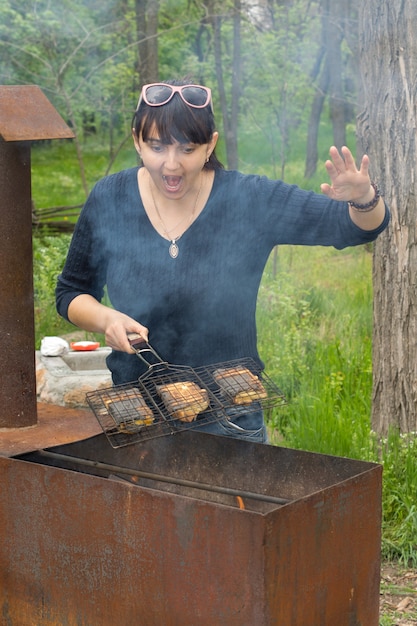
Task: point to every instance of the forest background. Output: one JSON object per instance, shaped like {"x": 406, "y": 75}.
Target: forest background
{"x": 284, "y": 76}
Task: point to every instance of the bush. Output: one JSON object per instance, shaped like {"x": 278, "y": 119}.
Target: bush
{"x": 49, "y": 253}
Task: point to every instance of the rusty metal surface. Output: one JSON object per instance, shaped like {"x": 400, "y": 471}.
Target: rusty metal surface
{"x": 272, "y": 470}
{"x": 26, "y": 114}
{"x": 17, "y": 334}
{"x": 327, "y": 550}
{"x": 134, "y": 554}
{"x": 56, "y": 425}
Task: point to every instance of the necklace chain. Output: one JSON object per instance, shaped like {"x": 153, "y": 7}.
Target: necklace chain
{"x": 173, "y": 247}
{"x": 167, "y": 232}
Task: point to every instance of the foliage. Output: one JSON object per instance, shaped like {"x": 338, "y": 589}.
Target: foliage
{"x": 398, "y": 453}
{"x": 278, "y": 90}
{"x": 62, "y": 47}
{"x": 49, "y": 254}
{"x": 324, "y": 346}
{"x": 180, "y": 53}
{"x": 315, "y": 329}
{"x": 56, "y": 181}
{"x": 83, "y": 54}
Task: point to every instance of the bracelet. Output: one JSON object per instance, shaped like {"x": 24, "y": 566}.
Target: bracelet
{"x": 364, "y": 208}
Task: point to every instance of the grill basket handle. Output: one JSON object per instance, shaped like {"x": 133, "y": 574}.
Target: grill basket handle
{"x": 144, "y": 351}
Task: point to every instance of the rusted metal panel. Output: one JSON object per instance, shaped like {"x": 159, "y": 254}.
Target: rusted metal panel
{"x": 17, "y": 356}
{"x": 327, "y": 549}
{"x": 26, "y": 114}
{"x": 56, "y": 425}
{"x": 89, "y": 549}
{"x": 86, "y": 550}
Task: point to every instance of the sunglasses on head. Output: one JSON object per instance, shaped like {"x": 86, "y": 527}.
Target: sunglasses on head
{"x": 158, "y": 94}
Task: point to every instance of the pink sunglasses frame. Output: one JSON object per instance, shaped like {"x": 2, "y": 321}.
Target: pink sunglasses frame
{"x": 175, "y": 89}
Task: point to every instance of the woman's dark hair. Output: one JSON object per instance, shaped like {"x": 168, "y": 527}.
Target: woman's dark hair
{"x": 176, "y": 121}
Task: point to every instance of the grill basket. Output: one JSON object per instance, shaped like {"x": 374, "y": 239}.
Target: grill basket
{"x": 138, "y": 411}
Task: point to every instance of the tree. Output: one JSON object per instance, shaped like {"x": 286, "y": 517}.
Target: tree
{"x": 147, "y": 31}
{"x": 81, "y": 57}
{"x": 329, "y": 69}
{"x": 387, "y": 132}
{"x": 229, "y": 113}
{"x": 277, "y": 90}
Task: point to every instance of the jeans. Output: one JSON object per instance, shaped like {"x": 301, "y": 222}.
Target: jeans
{"x": 240, "y": 425}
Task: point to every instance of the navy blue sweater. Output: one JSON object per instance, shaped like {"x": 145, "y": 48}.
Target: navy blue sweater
{"x": 199, "y": 307}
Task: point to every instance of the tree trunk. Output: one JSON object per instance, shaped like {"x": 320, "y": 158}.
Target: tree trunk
{"x": 314, "y": 122}
{"x": 230, "y": 119}
{"x": 147, "y": 30}
{"x": 232, "y": 157}
{"x": 333, "y": 16}
{"x": 334, "y": 38}
{"x": 387, "y": 131}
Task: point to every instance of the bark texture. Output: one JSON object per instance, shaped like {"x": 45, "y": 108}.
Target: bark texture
{"x": 147, "y": 30}
{"x": 229, "y": 113}
{"x": 387, "y": 133}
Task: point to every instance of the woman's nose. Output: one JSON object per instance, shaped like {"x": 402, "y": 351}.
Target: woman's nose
{"x": 171, "y": 160}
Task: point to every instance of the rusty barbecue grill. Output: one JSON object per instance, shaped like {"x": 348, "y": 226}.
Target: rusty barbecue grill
{"x": 168, "y": 399}
{"x": 251, "y": 534}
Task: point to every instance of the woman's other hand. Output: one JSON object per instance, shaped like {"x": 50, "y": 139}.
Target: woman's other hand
{"x": 118, "y": 329}
{"x": 87, "y": 313}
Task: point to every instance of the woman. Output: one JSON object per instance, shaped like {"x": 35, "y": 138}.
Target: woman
{"x": 181, "y": 244}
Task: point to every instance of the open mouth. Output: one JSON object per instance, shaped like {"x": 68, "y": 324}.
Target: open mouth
{"x": 172, "y": 183}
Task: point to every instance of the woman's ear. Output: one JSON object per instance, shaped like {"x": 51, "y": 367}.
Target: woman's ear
{"x": 212, "y": 144}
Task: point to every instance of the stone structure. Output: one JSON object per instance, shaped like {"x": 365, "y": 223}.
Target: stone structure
{"x": 64, "y": 380}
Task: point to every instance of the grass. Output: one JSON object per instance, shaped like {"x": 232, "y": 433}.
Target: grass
{"x": 321, "y": 303}
{"x": 315, "y": 337}
{"x": 56, "y": 179}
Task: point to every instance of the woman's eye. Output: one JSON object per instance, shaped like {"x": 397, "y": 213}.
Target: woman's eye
{"x": 188, "y": 149}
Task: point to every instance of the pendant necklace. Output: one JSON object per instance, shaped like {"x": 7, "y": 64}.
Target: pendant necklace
{"x": 173, "y": 246}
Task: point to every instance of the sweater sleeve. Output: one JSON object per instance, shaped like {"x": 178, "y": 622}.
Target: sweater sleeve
{"x": 85, "y": 267}
{"x": 287, "y": 214}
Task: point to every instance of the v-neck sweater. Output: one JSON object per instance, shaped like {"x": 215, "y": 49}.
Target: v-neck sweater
{"x": 200, "y": 307}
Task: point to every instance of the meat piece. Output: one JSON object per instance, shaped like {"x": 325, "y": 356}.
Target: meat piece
{"x": 240, "y": 385}
{"x": 129, "y": 410}
{"x": 183, "y": 400}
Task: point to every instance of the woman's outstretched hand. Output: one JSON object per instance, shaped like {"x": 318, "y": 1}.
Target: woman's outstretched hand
{"x": 348, "y": 183}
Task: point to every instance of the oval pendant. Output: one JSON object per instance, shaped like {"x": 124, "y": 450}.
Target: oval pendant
{"x": 173, "y": 250}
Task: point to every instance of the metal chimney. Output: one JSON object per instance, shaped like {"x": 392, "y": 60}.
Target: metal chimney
{"x": 25, "y": 115}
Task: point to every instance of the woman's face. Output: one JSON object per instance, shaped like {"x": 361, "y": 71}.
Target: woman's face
{"x": 174, "y": 168}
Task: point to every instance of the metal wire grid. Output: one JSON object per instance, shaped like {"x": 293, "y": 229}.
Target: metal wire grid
{"x": 136, "y": 411}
